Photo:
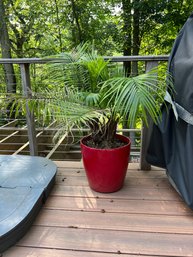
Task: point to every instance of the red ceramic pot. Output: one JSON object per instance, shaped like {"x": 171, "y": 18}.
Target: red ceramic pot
{"x": 106, "y": 168}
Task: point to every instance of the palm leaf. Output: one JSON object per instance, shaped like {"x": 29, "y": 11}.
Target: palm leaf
{"x": 130, "y": 95}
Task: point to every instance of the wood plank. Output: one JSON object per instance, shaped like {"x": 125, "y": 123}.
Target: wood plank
{"x": 130, "y": 173}
{"x": 70, "y": 164}
{"x": 125, "y": 193}
{"x": 79, "y": 164}
{"x": 10, "y": 146}
{"x": 112, "y": 221}
{"x": 56, "y": 146}
{"x": 109, "y": 241}
{"x": 119, "y": 206}
{"x": 8, "y": 152}
{"x": 41, "y": 252}
{"x": 130, "y": 182}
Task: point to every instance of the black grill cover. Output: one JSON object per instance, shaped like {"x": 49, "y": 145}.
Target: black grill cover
{"x": 171, "y": 143}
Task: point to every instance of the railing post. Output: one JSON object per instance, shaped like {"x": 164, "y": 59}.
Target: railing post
{"x": 146, "y": 131}
{"x": 26, "y": 86}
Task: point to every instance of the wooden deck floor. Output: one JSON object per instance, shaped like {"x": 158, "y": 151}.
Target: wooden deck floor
{"x": 145, "y": 218}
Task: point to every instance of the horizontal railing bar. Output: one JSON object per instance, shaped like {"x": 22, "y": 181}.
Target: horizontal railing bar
{"x": 137, "y": 58}
{"x": 112, "y": 58}
{"x": 53, "y": 129}
{"x": 24, "y": 60}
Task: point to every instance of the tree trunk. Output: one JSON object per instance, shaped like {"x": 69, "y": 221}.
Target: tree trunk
{"x": 131, "y": 30}
{"x": 10, "y": 77}
{"x": 136, "y": 35}
{"x": 127, "y": 32}
{"x": 58, "y": 25}
{"x": 6, "y": 51}
{"x": 77, "y": 37}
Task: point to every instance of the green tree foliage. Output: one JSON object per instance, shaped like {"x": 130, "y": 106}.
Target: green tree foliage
{"x": 150, "y": 27}
{"x": 93, "y": 21}
{"x": 163, "y": 27}
{"x": 129, "y": 27}
{"x": 40, "y": 28}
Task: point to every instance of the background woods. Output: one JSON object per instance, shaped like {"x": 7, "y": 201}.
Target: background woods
{"x": 128, "y": 27}
{"x": 37, "y": 28}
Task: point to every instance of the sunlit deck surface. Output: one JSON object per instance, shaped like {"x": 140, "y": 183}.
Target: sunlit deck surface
{"x": 145, "y": 218}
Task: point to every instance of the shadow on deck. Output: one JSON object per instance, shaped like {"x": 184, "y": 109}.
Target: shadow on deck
{"x": 145, "y": 218}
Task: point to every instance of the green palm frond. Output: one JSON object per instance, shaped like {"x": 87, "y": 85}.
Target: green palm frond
{"x": 92, "y": 99}
{"x": 81, "y": 68}
{"x": 129, "y": 96}
{"x": 68, "y": 109}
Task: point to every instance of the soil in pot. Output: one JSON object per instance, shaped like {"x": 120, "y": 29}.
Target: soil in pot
{"x": 105, "y": 144}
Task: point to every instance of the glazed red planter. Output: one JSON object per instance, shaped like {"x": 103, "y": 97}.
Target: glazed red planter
{"x": 106, "y": 168}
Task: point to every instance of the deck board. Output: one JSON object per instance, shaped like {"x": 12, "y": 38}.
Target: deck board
{"x": 119, "y": 206}
{"x": 126, "y": 193}
{"x": 146, "y": 218}
{"x": 128, "y": 222}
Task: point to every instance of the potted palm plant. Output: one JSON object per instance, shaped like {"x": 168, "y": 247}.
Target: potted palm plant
{"x": 96, "y": 93}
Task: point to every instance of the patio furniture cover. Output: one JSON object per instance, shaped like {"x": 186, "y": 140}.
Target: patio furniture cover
{"x": 25, "y": 183}
{"x": 171, "y": 143}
